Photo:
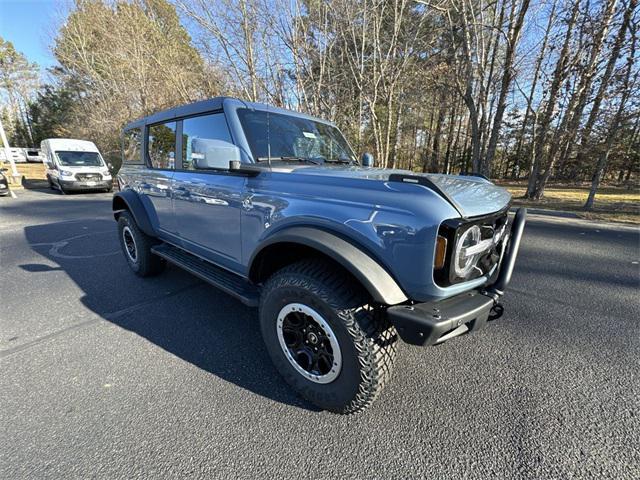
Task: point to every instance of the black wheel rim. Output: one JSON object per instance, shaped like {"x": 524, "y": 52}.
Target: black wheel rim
{"x": 129, "y": 244}
{"x": 309, "y": 343}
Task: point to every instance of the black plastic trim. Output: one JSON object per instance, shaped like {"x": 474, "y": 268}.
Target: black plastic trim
{"x": 134, "y": 205}
{"x": 375, "y": 279}
{"x": 220, "y": 278}
{"x": 451, "y": 230}
{"x": 429, "y": 323}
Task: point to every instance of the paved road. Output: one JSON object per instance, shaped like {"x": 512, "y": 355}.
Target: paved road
{"x": 106, "y": 375}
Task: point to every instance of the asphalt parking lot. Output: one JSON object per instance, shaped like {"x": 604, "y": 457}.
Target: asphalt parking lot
{"x": 107, "y": 375}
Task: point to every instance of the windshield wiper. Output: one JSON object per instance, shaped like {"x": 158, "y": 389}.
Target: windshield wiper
{"x": 289, "y": 159}
{"x": 339, "y": 160}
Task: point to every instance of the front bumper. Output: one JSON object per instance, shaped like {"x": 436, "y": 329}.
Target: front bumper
{"x": 82, "y": 185}
{"x": 434, "y": 322}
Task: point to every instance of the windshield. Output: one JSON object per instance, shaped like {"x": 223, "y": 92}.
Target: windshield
{"x": 79, "y": 159}
{"x": 291, "y": 136}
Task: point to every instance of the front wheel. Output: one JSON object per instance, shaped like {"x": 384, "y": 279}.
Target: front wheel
{"x": 325, "y": 338}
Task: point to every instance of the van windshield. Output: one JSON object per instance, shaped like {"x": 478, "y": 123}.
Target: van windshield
{"x": 79, "y": 159}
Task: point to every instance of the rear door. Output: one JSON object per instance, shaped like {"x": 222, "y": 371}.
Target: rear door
{"x": 207, "y": 203}
{"x": 155, "y": 184}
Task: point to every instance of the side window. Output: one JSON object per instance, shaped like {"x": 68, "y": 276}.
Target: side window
{"x": 201, "y": 136}
{"x": 131, "y": 142}
{"x": 162, "y": 145}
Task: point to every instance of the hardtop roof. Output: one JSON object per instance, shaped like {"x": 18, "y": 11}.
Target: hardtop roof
{"x": 209, "y": 105}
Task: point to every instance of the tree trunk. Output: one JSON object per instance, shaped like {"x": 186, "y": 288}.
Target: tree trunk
{"x": 532, "y": 91}
{"x": 614, "y": 128}
{"x": 452, "y": 123}
{"x": 604, "y": 81}
{"x": 513, "y": 38}
{"x": 568, "y": 128}
{"x": 435, "y": 152}
{"x": 545, "y": 122}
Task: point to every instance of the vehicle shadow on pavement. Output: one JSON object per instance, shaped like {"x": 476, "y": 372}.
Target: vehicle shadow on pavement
{"x": 173, "y": 310}
{"x": 42, "y": 186}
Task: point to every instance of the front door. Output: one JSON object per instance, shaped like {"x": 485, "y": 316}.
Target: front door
{"x": 207, "y": 210}
{"x": 207, "y": 203}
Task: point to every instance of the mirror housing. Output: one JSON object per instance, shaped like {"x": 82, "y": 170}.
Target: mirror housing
{"x": 366, "y": 160}
{"x": 213, "y": 154}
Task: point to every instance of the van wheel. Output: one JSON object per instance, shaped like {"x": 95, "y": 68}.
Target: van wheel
{"x": 50, "y": 183}
{"x": 325, "y": 338}
{"x": 136, "y": 246}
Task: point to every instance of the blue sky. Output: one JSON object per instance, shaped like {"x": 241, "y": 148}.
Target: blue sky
{"x": 29, "y": 24}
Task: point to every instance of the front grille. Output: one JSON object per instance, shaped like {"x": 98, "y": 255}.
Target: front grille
{"x": 88, "y": 177}
{"x": 453, "y": 229}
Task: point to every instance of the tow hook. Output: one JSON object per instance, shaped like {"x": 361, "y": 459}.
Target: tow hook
{"x": 496, "y": 312}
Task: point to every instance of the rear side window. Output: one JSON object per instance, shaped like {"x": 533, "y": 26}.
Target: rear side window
{"x": 162, "y": 145}
{"x": 131, "y": 143}
{"x": 199, "y": 136}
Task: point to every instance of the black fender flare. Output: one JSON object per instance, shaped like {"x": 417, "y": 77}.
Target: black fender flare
{"x": 133, "y": 203}
{"x": 373, "y": 277}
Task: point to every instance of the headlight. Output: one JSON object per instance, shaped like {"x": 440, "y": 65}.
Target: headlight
{"x": 465, "y": 258}
{"x": 66, "y": 173}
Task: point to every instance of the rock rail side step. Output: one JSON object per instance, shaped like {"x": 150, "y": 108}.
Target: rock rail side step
{"x": 218, "y": 277}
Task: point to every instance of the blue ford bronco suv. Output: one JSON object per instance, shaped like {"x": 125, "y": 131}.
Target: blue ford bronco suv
{"x": 342, "y": 259}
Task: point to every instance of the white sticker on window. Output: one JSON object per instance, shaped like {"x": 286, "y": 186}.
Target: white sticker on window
{"x": 309, "y": 134}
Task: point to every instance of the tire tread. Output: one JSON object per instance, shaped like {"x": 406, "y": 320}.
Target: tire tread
{"x": 373, "y": 337}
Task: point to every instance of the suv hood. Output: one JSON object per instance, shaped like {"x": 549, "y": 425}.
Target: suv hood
{"x": 473, "y": 196}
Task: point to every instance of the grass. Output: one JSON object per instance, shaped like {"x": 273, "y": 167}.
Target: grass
{"x": 616, "y": 204}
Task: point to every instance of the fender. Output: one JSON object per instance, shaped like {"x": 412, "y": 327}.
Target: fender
{"x": 130, "y": 200}
{"x": 375, "y": 279}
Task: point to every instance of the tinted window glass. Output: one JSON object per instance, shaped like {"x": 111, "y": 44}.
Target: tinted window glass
{"x": 291, "y": 136}
{"x": 199, "y": 137}
{"x": 162, "y": 145}
{"x": 131, "y": 146}
{"x": 79, "y": 159}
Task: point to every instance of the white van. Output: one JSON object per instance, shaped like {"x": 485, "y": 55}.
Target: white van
{"x": 33, "y": 155}
{"x": 75, "y": 165}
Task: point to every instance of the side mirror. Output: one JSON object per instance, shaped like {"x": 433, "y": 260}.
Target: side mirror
{"x": 110, "y": 166}
{"x": 208, "y": 154}
{"x": 366, "y": 160}
{"x": 4, "y": 169}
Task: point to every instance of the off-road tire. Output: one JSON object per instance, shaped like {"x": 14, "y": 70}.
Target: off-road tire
{"x": 146, "y": 264}
{"x": 367, "y": 341}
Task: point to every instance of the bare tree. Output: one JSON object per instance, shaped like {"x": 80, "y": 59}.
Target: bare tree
{"x": 629, "y": 84}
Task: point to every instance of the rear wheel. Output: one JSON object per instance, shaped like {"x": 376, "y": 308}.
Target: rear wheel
{"x": 136, "y": 246}
{"x": 325, "y": 338}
